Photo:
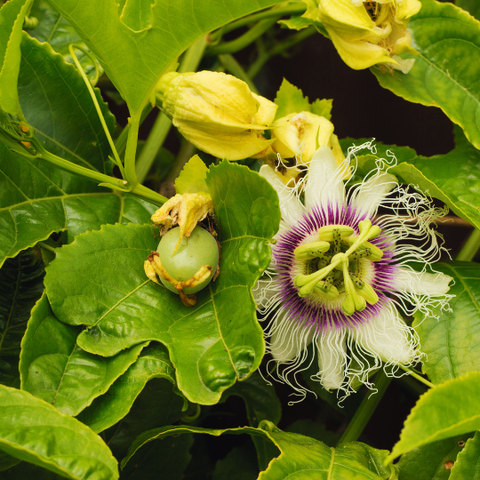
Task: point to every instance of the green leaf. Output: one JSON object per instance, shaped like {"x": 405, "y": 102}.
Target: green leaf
{"x": 54, "y": 369}
{"x": 12, "y": 15}
{"x": 468, "y": 460}
{"x": 446, "y": 70}
{"x": 451, "y": 341}
{"x": 449, "y": 409}
{"x": 192, "y": 178}
{"x": 290, "y": 99}
{"x": 54, "y": 29}
{"x": 136, "y": 49}
{"x": 452, "y": 178}
{"x": 228, "y": 467}
{"x": 7, "y": 461}
{"x": 21, "y": 285}
{"x": 428, "y": 462}
{"x": 108, "y": 409}
{"x": 471, "y": 6}
{"x": 34, "y": 431}
{"x": 212, "y": 344}
{"x": 301, "y": 457}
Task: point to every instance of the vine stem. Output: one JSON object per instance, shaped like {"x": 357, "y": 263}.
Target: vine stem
{"x": 470, "y": 249}
{"x": 417, "y": 376}
{"x": 365, "y": 410}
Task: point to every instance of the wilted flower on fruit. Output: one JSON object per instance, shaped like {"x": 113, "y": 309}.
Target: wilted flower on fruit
{"x": 340, "y": 274}
{"x": 216, "y": 112}
{"x": 366, "y": 32}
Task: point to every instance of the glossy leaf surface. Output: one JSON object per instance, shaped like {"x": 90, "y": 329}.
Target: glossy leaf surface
{"x": 56, "y": 370}
{"x": 429, "y": 461}
{"x": 452, "y": 341}
{"x": 445, "y": 36}
{"x": 212, "y": 344}
{"x": 21, "y": 285}
{"x": 446, "y": 410}
{"x": 468, "y": 460}
{"x": 34, "y": 431}
{"x": 54, "y": 29}
{"x": 301, "y": 457}
{"x": 136, "y": 41}
{"x": 107, "y": 410}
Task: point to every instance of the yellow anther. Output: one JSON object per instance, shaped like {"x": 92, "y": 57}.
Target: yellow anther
{"x": 329, "y": 292}
{"x": 375, "y": 254}
{"x": 309, "y": 251}
{"x": 368, "y": 293}
{"x": 326, "y": 233}
{"x": 353, "y": 301}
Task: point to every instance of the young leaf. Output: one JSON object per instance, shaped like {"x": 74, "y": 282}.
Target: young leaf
{"x": 136, "y": 45}
{"x": 108, "y": 409}
{"x": 54, "y": 369}
{"x": 212, "y": 344}
{"x": 446, "y": 70}
{"x": 192, "y": 178}
{"x": 429, "y": 461}
{"x": 34, "y": 431}
{"x": 54, "y": 29}
{"x": 21, "y": 285}
{"x": 301, "y": 457}
{"x": 12, "y": 15}
{"x": 450, "y": 341}
{"x": 446, "y": 410}
{"x": 467, "y": 464}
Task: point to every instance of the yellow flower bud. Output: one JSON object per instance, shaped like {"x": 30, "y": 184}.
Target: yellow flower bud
{"x": 217, "y": 112}
{"x": 367, "y": 32}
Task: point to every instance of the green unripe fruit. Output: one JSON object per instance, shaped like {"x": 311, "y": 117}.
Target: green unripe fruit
{"x": 199, "y": 249}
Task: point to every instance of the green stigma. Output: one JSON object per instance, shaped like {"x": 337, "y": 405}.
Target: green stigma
{"x": 333, "y": 265}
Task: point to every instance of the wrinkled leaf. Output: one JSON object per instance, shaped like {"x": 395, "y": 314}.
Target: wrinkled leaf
{"x": 428, "y": 462}
{"x": 21, "y": 285}
{"x": 54, "y": 29}
{"x": 468, "y": 460}
{"x": 12, "y": 15}
{"x": 224, "y": 339}
{"x": 452, "y": 341}
{"x": 301, "y": 457}
{"x": 137, "y": 43}
{"x": 192, "y": 177}
{"x": 445, "y": 73}
{"x": 34, "y": 431}
{"x": 54, "y": 369}
{"x": 449, "y": 409}
{"x": 108, "y": 409}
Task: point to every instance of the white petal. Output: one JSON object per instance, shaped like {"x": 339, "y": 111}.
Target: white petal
{"x": 421, "y": 283}
{"x": 288, "y": 338}
{"x": 290, "y": 206}
{"x": 324, "y": 184}
{"x": 372, "y": 193}
{"x": 387, "y": 336}
{"x": 263, "y": 292}
{"x": 332, "y": 358}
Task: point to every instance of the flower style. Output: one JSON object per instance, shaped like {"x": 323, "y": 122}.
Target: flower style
{"x": 367, "y": 32}
{"x": 216, "y": 112}
{"x": 340, "y": 274}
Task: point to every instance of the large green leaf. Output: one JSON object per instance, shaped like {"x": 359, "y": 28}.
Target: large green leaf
{"x": 452, "y": 341}
{"x": 446, "y": 71}
{"x": 468, "y": 460}
{"x": 54, "y": 29}
{"x": 108, "y": 409}
{"x": 449, "y": 409}
{"x": 212, "y": 344}
{"x": 12, "y": 15}
{"x": 471, "y": 6}
{"x": 428, "y": 462}
{"x": 54, "y": 369}
{"x": 135, "y": 44}
{"x": 301, "y": 457}
{"x": 34, "y": 431}
{"x": 21, "y": 285}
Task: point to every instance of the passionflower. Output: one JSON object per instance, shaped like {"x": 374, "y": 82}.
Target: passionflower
{"x": 341, "y": 274}
{"x": 216, "y": 112}
{"x": 367, "y": 32}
